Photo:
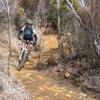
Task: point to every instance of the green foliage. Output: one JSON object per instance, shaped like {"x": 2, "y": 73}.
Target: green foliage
{"x": 28, "y": 3}
{"x": 20, "y": 11}
{"x": 75, "y": 4}
{"x": 53, "y": 2}
{"x": 32, "y": 2}
{"x": 64, "y": 7}
{"x": 20, "y": 16}
{"x": 52, "y": 15}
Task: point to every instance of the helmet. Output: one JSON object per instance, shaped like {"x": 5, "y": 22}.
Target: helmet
{"x": 29, "y": 21}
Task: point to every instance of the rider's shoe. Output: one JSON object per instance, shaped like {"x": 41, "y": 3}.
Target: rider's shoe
{"x": 27, "y": 59}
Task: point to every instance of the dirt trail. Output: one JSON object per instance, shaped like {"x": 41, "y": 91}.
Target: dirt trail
{"x": 41, "y": 87}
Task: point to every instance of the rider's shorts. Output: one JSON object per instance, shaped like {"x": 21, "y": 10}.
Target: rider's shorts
{"x": 30, "y": 38}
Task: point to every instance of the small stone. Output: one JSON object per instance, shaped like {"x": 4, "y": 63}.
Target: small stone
{"x": 67, "y": 75}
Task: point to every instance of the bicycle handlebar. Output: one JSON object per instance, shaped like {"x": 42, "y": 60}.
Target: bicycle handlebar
{"x": 27, "y": 42}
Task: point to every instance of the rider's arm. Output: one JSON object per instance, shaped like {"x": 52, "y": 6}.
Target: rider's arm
{"x": 35, "y": 36}
{"x": 21, "y": 33}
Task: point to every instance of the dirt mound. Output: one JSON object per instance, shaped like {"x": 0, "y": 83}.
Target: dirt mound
{"x": 53, "y": 60}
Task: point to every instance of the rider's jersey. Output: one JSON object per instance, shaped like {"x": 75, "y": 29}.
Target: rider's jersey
{"x": 28, "y": 32}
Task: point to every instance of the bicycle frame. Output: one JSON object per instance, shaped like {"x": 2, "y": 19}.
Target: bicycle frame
{"x": 24, "y": 48}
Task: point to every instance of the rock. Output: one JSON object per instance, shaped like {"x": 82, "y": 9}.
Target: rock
{"x": 41, "y": 66}
{"x": 53, "y": 60}
{"x": 67, "y": 75}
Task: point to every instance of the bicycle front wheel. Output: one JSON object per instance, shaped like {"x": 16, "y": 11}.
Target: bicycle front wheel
{"x": 23, "y": 60}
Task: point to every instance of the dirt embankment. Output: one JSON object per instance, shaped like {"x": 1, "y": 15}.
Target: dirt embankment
{"x": 10, "y": 87}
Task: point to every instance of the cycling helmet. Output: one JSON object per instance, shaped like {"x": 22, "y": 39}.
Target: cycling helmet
{"x": 29, "y": 21}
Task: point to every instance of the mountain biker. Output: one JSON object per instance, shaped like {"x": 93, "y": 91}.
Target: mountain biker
{"x": 27, "y": 33}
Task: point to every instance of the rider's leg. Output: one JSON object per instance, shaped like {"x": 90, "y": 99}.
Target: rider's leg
{"x": 30, "y": 46}
{"x": 29, "y": 51}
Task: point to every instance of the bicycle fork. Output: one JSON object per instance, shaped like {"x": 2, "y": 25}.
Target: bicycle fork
{"x": 22, "y": 51}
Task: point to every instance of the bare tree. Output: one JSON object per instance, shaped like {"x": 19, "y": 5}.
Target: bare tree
{"x": 87, "y": 19}
{"x": 7, "y": 11}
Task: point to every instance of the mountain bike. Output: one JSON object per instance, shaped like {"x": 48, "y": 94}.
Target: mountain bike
{"x": 24, "y": 53}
